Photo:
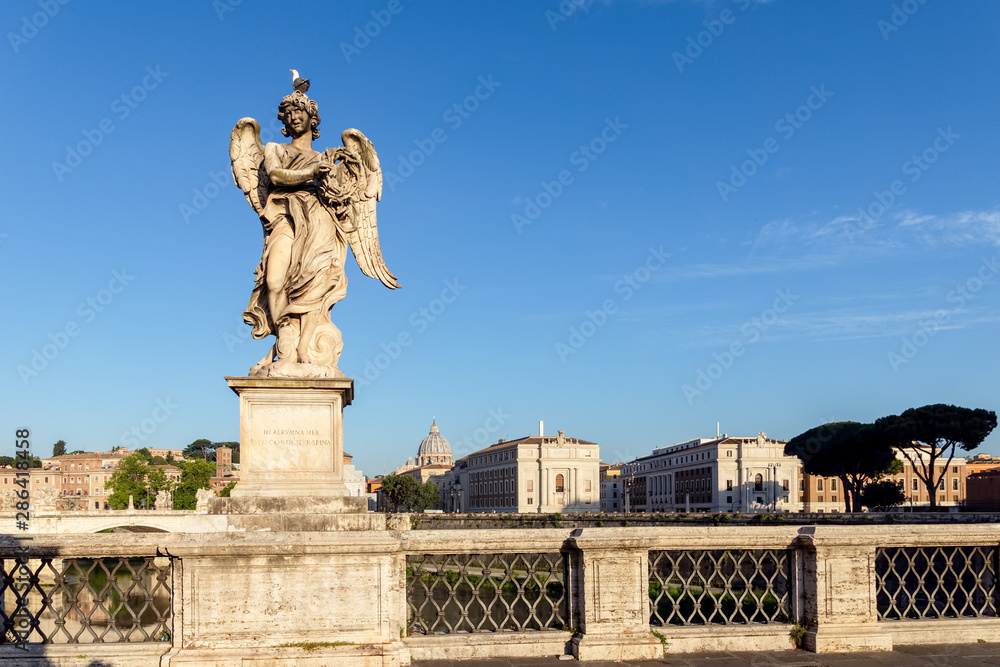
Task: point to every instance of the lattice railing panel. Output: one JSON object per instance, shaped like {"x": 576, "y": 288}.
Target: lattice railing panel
{"x": 730, "y": 586}
{"x": 83, "y": 601}
{"x": 485, "y": 592}
{"x": 936, "y": 582}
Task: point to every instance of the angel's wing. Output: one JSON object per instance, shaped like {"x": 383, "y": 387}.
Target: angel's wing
{"x": 362, "y": 231}
{"x": 247, "y": 155}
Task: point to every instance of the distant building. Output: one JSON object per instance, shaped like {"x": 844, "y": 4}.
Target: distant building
{"x": 982, "y": 463}
{"x": 434, "y": 460}
{"x": 722, "y": 474}
{"x": 611, "y": 488}
{"x": 178, "y": 454}
{"x": 224, "y": 474}
{"x": 535, "y": 474}
{"x": 84, "y": 475}
{"x": 825, "y": 494}
{"x": 983, "y": 491}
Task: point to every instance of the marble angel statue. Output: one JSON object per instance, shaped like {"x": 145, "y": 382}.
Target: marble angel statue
{"x": 312, "y": 206}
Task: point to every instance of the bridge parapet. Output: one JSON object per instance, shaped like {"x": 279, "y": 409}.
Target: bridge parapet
{"x": 382, "y": 597}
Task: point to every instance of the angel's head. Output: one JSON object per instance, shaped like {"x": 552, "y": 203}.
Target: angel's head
{"x": 298, "y": 101}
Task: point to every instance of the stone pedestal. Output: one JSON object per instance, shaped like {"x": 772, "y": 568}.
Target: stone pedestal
{"x": 291, "y": 436}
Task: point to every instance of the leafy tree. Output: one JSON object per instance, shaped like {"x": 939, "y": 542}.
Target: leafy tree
{"x": 199, "y": 449}
{"x": 170, "y": 457}
{"x": 34, "y": 462}
{"x": 401, "y": 492}
{"x": 882, "y": 495}
{"x": 194, "y": 475}
{"x": 925, "y": 435}
{"x": 227, "y": 490}
{"x": 158, "y": 461}
{"x": 855, "y": 453}
{"x": 77, "y": 451}
{"x": 134, "y": 477}
{"x": 429, "y": 497}
{"x": 145, "y": 453}
{"x": 59, "y": 448}
{"x": 6, "y": 460}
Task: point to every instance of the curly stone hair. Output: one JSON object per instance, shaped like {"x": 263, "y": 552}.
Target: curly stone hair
{"x": 301, "y": 101}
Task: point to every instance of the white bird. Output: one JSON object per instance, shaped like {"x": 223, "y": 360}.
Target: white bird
{"x": 298, "y": 83}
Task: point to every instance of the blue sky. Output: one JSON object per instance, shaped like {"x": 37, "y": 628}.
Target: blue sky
{"x": 645, "y": 217}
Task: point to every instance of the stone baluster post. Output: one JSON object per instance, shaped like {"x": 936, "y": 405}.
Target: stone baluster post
{"x": 839, "y": 598}
{"x": 610, "y": 585}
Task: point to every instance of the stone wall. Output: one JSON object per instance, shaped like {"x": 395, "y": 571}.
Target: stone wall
{"x": 341, "y": 598}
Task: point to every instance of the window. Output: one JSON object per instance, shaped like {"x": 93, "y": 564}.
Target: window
{"x": 729, "y": 486}
{"x": 531, "y": 501}
{"x": 729, "y": 453}
{"x": 729, "y": 500}
{"x": 614, "y": 494}
{"x": 802, "y": 485}
{"x": 559, "y": 484}
{"x": 758, "y": 482}
{"x": 833, "y": 499}
{"x": 784, "y": 485}
{"x": 941, "y": 485}
{"x": 954, "y": 469}
{"x": 785, "y": 499}
{"x": 586, "y": 485}
{"x": 819, "y": 484}
{"x": 833, "y": 484}
{"x": 915, "y": 487}
{"x": 954, "y": 483}
{"x": 760, "y": 500}
{"x": 531, "y": 485}
{"x": 819, "y": 499}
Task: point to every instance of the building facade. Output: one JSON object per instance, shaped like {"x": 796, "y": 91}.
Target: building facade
{"x": 611, "y": 488}
{"x": 825, "y": 494}
{"x": 536, "y": 474}
{"x": 722, "y": 474}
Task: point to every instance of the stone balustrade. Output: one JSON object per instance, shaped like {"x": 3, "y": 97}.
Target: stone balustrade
{"x": 382, "y": 597}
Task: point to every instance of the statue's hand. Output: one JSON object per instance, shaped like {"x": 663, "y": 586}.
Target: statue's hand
{"x": 321, "y": 169}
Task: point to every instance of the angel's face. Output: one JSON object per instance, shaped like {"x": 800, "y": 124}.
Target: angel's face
{"x": 297, "y": 121}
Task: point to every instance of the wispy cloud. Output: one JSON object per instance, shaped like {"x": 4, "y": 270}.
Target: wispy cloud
{"x": 790, "y": 245}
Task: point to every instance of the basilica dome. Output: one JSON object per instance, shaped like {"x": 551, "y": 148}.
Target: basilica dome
{"x": 434, "y": 449}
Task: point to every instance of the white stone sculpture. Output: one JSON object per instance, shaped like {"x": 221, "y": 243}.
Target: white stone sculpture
{"x": 312, "y": 206}
{"x": 163, "y": 500}
{"x": 202, "y": 496}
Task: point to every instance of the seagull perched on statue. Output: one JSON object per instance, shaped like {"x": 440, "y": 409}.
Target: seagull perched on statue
{"x": 298, "y": 83}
